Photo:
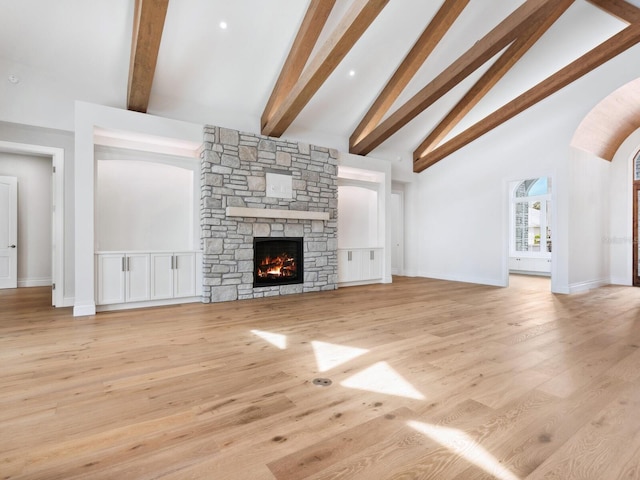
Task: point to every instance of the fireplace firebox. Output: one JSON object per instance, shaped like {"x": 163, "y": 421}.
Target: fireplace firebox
{"x": 277, "y": 261}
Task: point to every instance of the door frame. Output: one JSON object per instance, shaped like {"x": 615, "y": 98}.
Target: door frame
{"x": 507, "y": 212}
{"x": 400, "y": 223}
{"x": 635, "y": 281}
{"x": 12, "y": 238}
{"x": 57, "y": 238}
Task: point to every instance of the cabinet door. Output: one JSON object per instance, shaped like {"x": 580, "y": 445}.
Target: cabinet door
{"x": 343, "y": 265}
{"x": 350, "y": 265}
{"x": 366, "y": 257}
{"x": 356, "y": 265}
{"x": 111, "y": 278}
{"x": 161, "y": 276}
{"x": 375, "y": 263}
{"x": 184, "y": 276}
{"x": 138, "y": 279}
{"x": 372, "y": 264}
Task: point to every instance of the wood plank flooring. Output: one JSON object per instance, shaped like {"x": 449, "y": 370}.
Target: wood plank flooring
{"x": 430, "y": 380}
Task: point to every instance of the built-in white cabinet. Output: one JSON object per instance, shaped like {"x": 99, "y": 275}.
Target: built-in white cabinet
{"x": 173, "y": 275}
{"x": 123, "y": 278}
{"x": 360, "y": 265}
{"x": 530, "y": 265}
{"x": 128, "y": 277}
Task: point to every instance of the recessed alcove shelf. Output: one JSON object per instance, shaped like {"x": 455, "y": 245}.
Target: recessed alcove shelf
{"x": 275, "y": 213}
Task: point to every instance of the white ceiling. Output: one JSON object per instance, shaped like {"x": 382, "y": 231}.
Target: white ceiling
{"x": 65, "y": 50}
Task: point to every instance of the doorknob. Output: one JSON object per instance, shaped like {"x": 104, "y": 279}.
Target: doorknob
{"x": 12, "y": 246}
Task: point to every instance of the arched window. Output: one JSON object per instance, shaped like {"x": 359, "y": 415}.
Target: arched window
{"x": 531, "y": 218}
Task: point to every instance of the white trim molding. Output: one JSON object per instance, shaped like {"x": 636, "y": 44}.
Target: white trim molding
{"x": 57, "y": 160}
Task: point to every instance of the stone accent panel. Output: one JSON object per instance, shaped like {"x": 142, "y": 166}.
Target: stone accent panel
{"x": 234, "y": 167}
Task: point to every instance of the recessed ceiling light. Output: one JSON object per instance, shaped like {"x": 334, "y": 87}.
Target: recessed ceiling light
{"x": 223, "y": 25}
{"x": 352, "y": 73}
{"x": 13, "y": 79}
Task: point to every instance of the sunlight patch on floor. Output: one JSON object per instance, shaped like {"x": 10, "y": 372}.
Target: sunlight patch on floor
{"x": 381, "y": 378}
{"x": 459, "y": 443}
{"x": 330, "y": 355}
{"x": 276, "y": 339}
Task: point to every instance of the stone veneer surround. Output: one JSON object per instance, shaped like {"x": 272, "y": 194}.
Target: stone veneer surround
{"x": 234, "y": 167}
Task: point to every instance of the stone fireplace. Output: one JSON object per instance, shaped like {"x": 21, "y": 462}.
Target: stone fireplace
{"x": 256, "y": 188}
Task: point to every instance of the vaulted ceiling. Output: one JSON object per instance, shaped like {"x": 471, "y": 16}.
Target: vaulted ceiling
{"x": 387, "y": 76}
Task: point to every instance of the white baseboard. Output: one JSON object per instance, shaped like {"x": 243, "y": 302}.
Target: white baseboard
{"x": 152, "y": 303}
{"x": 560, "y": 289}
{"x": 585, "y": 286}
{"x": 360, "y": 282}
{"x": 620, "y": 281}
{"x": 84, "y": 310}
{"x": 459, "y": 278}
{"x": 68, "y": 301}
{"x": 530, "y": 272}
{"x": 35, "y": 282}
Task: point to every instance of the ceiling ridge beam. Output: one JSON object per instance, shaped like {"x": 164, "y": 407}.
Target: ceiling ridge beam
{"x": 604, "y": 52}
{"x": 620, "y": 9}
{"x": 482, "y": 51}
{"x": 423, "y": 47}
{"x": 491, "y": 77}
{"x": 148, "y": 23}
{"x": 355, "y": 22}
{"x": 306, "y": 39}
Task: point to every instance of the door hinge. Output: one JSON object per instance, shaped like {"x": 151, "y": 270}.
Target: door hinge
{"x": 54, "y": 169}
{"x": 53, "y": 286}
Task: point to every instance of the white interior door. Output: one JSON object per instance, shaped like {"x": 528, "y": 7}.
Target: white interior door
{"x": 397, "y": 233}
{"x": 8, "y": 232}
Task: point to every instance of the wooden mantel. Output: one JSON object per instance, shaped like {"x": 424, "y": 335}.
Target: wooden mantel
{"x": 276, "y": 213}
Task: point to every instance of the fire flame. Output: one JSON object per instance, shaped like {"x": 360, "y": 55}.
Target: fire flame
{"x": 281, "y": 265}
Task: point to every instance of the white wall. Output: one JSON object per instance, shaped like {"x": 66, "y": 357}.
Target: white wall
{"x": 463, "y": 200}
{"x": 588, "y": 226}
{"x": 357, "y": 217}
{"x": 143, "y": 206}
{"x": 34, "y": 216}
{"x": 620, "y": 236}
{"x": 462, "y": 222}
{"x": 126, "y": 179}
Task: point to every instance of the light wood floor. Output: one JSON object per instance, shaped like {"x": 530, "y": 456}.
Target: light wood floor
{"x": 430, "y": 380}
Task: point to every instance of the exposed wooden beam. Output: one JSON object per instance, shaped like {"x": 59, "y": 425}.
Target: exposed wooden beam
{"x": 349, "y": 30}
{"x": 306, "y": 38}
{"x": 604, "y": 52}
{"x": 498, "y": 70}
{"x": 148, "y": 23}
{"x": 483, "y": 50}
{"x": 619, "y": 9}
{"x": 428, "y": 40}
